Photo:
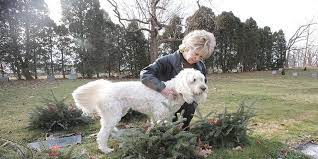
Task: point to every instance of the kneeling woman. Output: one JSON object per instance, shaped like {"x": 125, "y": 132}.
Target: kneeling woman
{"x": 196, "y": 46}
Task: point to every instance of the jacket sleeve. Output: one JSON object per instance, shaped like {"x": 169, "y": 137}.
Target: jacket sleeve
{"x": 149, "y": 76}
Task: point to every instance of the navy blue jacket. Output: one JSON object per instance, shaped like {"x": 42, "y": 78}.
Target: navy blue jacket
{"x": 164, "y": 69}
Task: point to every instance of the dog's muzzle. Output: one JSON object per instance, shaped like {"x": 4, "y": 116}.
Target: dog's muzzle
{"x": 203, "y": 88}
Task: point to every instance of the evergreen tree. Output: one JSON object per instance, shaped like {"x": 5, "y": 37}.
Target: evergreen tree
{"x": 64, "y": 45}
{"x": 173, "y": 31}
{"x": 227, "y": 35}
{"x": 203, "y": 18}
{"x": 48, "y": 35}
{"x": 264, "y": 54}
{"x": 136, "y": 55}
{"x": 111, "y": 44}
{"x": 83, "y": 18}
{"x": 20, "y": 23}
{"x": 95, "y": 35}
{"x": 120, "y": 48}
{"x": 251, "y": 45}
{"x": 279, "y": 49}
{"x": 240, "y": 44}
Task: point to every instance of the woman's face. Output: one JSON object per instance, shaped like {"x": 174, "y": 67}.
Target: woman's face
{"x": 193, "y": 56}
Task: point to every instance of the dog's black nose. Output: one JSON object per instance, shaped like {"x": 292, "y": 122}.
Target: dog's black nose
{"x": 203, "y": 88}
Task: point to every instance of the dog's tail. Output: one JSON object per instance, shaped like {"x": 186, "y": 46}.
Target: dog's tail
{"x": 89, "y": 96}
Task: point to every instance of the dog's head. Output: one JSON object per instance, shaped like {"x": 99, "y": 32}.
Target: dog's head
{"x": 191, "y": 84}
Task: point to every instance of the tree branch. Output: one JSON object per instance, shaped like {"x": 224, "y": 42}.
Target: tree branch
{"x": 141, "y": 9}
{"x": 145, "y": 29}
{"x": 169, "y": 40}
{"x": 117, "y": 14}
{"x": 298, "y": 35}
{"x": 198, "y": 3}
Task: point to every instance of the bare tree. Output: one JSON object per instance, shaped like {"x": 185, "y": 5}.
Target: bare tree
{"x": 315, "y": 57}
{"x": 301, "y": 34}
{"x": 152, "y": 15}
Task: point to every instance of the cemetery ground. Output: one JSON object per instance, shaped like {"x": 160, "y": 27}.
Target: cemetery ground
{"x": 286, "y": 111}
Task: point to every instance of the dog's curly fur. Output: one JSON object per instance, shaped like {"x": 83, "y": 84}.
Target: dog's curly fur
{"x": 111, "y": 101}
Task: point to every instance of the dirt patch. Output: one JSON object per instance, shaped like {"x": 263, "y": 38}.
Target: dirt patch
{"x": 267, "y": 130}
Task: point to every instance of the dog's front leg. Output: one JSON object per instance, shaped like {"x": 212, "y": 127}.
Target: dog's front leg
{"x": 109, "y": 119}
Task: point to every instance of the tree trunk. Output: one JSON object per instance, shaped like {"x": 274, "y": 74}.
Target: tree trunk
{"x": 153, "y": 47}
{"x": 2, "y": 70}
{"x": 109, "y": 69}
{"x": 51, "y": 58}
{"x": 15, "y": 67}
{"x": 119, "y": 64}
{"x": 16, "y": 54}
{"x": 35, "y": 66}
{"x": 62, "y": 60}
{"x": 27, "y": 74}
{"x": 25, "y": 69}
{"x": 287, "y": 58}
{"x": 46, "y": 67}
{"x": 105, "y": 65}
{"x": 306, "y": 49}
{"x": 82, "y": 65}
{"x": 25, "y": 63}
{"x": 153, "y": 42}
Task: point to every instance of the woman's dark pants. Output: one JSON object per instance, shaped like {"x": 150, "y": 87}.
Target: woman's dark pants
{"x": 188, "y": 113}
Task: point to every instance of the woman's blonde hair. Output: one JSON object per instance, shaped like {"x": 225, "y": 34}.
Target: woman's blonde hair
{"x": 199, "y": 40}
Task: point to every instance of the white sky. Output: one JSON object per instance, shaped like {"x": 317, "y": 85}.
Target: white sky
{"x": 287, "y": 15}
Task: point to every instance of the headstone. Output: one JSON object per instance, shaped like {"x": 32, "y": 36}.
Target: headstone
{"x": 59, "y": 141}
{"x": 73, "y": 70}
{"x": 310, "y": 149}
{"x": 274, "y": 72}
{"x": 283, "y": 72}
{"x": 314, "y": 75}
{"x": 50, "y": 78}
{"x": 4, "y": 79}
{"x": 72, "y": 76}
{"x": 295, "y": 74}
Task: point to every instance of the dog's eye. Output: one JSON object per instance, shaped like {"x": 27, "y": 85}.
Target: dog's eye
{"x": 194, "y": 79}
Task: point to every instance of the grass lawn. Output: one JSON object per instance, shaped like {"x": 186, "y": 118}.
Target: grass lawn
{"x": 286, "y": 106}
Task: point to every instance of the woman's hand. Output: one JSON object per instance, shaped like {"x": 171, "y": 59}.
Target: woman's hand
{"x": 169, "y": 93}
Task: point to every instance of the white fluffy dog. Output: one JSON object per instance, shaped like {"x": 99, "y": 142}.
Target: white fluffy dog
{"x": 111, "y": 101}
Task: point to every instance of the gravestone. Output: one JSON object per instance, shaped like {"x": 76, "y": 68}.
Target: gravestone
{"x": 310, "y": 149}
{"x": 50, "y": 78}
{"x": 72, "y": 75}
{"x": 295, "y": 74}
{"x": 274, "y": 72}
{"x": 58, "y": 141}
{"x": 4, "y": 79}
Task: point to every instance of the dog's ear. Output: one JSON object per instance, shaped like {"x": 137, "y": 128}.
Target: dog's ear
{"x": 182, "y": 86}
{"x": 190, "y": 78}
{"x": 181, "y": 82}
{"x": 189, "y": 98}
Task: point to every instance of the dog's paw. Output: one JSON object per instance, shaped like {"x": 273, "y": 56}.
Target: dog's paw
{"x": 106, "y": 150}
